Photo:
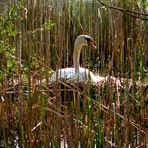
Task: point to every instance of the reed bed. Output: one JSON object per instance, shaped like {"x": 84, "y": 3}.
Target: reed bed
{"x": 37, "y": 37}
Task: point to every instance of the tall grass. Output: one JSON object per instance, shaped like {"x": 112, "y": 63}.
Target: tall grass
{"x": 37, "y": 37}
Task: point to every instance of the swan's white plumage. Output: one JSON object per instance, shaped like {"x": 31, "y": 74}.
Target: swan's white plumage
{"x": 70, "y": 74}
{"x": 77, "y": 73}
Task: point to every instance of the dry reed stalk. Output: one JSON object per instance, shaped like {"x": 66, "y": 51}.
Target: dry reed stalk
{"x": 34, "y": 114}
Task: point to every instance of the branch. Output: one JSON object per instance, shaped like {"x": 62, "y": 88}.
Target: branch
{"x": 129, "y": 12}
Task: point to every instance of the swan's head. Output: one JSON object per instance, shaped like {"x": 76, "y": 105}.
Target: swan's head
{"x": 85, "y": 40}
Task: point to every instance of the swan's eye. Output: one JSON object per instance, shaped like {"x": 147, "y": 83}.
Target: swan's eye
{"x": 88, "y": 40}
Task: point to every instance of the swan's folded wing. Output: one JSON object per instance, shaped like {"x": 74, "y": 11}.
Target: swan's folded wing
{"x": 65, "y": 73}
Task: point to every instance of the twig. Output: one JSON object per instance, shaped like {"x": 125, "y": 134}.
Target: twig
{"x": 129, "y": 12}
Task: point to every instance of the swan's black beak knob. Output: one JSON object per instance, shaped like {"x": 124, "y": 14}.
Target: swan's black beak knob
{"x": 91, "y": 43}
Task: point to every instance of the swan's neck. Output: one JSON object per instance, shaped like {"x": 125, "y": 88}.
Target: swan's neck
{"x": 76, "y": 56}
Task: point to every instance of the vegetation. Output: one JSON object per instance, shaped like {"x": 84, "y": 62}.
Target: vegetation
{"x": 37, "y": 37}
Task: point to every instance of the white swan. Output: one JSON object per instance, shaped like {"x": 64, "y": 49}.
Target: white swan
{"x": 77, "y": 72}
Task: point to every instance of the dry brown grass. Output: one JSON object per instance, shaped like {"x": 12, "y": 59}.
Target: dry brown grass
{"x": 34, "y": 113}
